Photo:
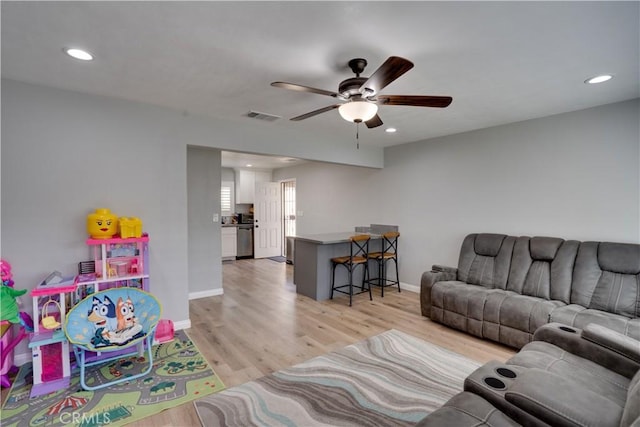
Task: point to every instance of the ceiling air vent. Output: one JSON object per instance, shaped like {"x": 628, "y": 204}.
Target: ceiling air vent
{"x": 263, "y": 116}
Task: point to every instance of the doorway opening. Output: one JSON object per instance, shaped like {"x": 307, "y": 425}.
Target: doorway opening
{"x": 288, "y": 192}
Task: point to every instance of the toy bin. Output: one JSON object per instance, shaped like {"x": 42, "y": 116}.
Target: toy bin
{"x": 130, "y": 227}
{"x": 164, "y": 331}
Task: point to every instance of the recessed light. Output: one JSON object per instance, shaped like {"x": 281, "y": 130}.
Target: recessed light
{"x": 83, "y": 55}
{"x": 390, "y": 130}
{"x": 249, "y": 165}
{"x": 599, "y": 79}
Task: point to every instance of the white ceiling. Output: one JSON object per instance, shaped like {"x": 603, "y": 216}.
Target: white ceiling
{"x": 501, "y": 62}
{"x": 232, "y": 159}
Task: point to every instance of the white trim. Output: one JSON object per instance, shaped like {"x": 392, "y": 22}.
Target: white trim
{"x": 182, "y": 324}
{"x": 205, "y": 294}
{"x": 22, "y": 358}
{"x": 409, "y": 287}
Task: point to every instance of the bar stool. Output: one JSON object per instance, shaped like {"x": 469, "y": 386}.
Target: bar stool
{"x": 359, "y": 248}
{"x": 389, "y": 253}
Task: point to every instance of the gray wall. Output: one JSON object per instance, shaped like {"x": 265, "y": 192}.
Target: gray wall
{"x": 331, "y": 197}
{"x": 65, "y": 153}
{"x": 228, "y": 174}
{"x": 203, "y": 195}
{"x": 574, "y": 175}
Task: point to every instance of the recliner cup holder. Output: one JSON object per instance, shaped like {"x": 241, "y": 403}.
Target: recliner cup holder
{"x": 505, "y": 372}
{"x": 567, "y": 329}
{"x": 495, "y": 383}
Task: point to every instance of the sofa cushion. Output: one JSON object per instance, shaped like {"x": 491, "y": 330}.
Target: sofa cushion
{"x": 542, "y": 355}
{"x": 487, "y": 244}
{"x": 485, "y": 259}
{"x": 623, "y": 258}
{"x": 524, "y": 312}
{"x": 607, "y": 277}
{"x": 613, "y": 341}
{"x": 542, "y": 267}
{"x": 511, "y": 318}
{"x": 631, "y": 414}
{"x": 459, "y": 305}
{"x": 544, "y": 248}
{"x": 578, "y": 316}
{"x": 467, "y": 409}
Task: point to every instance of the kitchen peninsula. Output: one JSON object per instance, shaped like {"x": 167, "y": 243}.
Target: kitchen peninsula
{"x": 313, "y": 253}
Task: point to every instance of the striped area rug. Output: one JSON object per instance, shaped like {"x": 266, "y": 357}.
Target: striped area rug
{"x": 391, "y": 379}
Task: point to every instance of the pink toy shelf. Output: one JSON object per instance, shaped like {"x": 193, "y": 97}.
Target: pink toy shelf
{"x": 118, "y": 263}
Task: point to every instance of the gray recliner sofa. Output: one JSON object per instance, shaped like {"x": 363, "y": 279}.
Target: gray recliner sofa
{"x": 564, "y": 377}
{"x": 506, "y": 287}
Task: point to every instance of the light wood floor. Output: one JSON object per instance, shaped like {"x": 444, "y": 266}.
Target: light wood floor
{"x": 260, "y": 325}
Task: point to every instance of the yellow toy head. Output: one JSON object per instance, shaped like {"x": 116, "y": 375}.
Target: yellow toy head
{"x": 102, "y": 224}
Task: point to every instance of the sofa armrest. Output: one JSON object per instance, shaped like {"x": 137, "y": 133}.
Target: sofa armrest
{"x": 614, "y": 341}
{"x": 444, "y": 269}
{"x": 573, "y": 340}
{"x": 427, "y": 281}
{"x": 560, "y": 401}
{"x": 467, "y": 409}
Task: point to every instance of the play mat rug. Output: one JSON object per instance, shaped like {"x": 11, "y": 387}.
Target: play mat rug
{"x": 180, "y": 374}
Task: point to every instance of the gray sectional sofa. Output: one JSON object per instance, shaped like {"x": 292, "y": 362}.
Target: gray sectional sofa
{"x": 506, "y": 287}
{"x": 565, "y": 377}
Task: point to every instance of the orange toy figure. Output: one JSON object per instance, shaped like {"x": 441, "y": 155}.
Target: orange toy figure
{"x": 125, "y": 314}
{"x": 102, "y": 224}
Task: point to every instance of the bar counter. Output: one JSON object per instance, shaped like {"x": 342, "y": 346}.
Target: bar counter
{"x": 312, "y": 260}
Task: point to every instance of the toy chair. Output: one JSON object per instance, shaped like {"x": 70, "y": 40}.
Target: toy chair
{"x": 112, "y": 321}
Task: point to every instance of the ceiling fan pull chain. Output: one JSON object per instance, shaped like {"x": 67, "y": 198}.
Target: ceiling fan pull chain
{"x": 358, "y": 135}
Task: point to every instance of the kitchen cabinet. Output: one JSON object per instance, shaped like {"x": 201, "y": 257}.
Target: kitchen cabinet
{"x": 246, "y": 184}
{"x": 229, "y": 242}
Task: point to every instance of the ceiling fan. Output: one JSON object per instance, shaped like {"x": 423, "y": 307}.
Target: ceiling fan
{"x": 362, "y": 94}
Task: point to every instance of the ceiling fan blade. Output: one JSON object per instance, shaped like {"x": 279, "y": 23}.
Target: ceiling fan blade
{"x": 301, "y": 88}
{"x": 315, "y": 112}
{"x": 392, "y": 68}
{"x": 374, "y": 122}
{"x": 415, "y": 100}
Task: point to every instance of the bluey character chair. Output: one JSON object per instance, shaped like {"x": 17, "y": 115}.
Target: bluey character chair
{"x": 104, "y": 325}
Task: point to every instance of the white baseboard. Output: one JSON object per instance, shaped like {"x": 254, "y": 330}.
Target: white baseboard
{"x": 409, "y": 287}
{"x": 182, "y": 324}
{"x": 205, "y": 294}
{"x": 21, "y": 359}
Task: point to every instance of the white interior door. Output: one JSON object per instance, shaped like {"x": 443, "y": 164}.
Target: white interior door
{"x": 267, "y": 220}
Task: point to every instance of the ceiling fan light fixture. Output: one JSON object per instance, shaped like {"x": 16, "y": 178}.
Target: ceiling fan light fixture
{"x": 358, "y": 111}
